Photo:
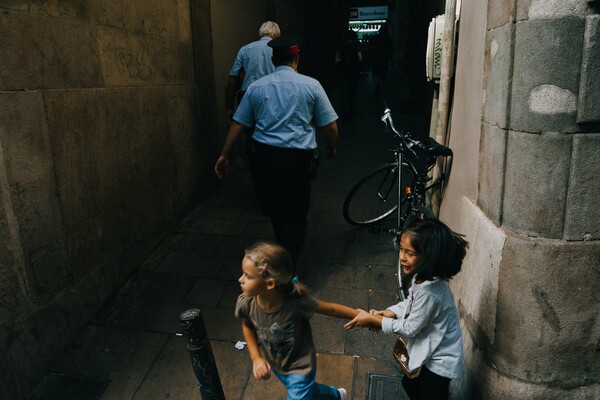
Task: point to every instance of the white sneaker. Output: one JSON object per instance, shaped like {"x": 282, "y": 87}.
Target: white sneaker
{"x": 343, "y": 394}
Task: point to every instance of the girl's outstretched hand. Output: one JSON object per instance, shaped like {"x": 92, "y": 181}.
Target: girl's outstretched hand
{"x": 261, "y": 368}
{"x": 383, "y": 313}
{"x": 364, "y": 319}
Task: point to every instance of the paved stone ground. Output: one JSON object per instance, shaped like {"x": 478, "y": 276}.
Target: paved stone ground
{"x": 132, "y": 343}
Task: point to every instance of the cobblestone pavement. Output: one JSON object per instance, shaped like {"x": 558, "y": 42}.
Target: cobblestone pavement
{"x": 133, "y": 344}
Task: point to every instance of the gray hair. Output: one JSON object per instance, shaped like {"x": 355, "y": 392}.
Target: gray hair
{"x": 269, "y": 28}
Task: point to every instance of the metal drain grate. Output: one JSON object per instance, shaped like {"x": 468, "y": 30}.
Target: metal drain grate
{"x": 65, "y": 387}
{"x": 385, "y": 387}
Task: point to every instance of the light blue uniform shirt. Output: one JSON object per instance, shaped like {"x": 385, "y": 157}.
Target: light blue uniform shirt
{"x": 255, "y": 59}
{"x": 431, "y": 329}
{"x": 286, "y": 108}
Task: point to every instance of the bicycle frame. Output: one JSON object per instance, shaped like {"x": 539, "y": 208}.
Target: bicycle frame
{"x": 400, "y": 190}
{"x": 374, "y": 197}
{"x": 419, "y": 188}
{"x": 415, "y": 197}
{"x": 368, "y": 201}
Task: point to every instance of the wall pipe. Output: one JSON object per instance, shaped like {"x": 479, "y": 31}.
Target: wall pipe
{"x": 444, "y": 97}
{"x": 432, "y": 129}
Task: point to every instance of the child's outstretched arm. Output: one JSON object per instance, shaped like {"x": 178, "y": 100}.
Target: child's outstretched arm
{"x": 384, "y": 313}
{"x": 365, "y": 319}
{"x": 335, "y": 310}
{"x": 260, "y": 367}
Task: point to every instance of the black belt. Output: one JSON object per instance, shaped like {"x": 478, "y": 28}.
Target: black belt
{"x": 290, "y": 150}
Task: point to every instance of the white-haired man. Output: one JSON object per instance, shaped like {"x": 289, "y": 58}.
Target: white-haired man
{"x": 253, "y": 61}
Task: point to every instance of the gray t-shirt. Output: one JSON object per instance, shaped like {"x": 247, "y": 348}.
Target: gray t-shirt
{"x": 284, "y": 336}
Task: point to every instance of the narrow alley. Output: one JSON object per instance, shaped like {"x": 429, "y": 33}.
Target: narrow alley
{"x": 131, "y": 349}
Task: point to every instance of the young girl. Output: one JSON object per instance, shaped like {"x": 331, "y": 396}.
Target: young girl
{"x": 432, "y": 254}
{"x": 275, "y": 310}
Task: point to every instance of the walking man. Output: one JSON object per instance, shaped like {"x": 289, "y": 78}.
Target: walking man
{"x": 285, "y": 109}
{"x": 252, "y": 62}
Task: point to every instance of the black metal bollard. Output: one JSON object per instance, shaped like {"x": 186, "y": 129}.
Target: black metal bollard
{"x": 203, "y": 361}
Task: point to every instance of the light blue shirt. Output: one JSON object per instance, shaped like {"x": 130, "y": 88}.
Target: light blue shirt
{"x": 429, "y": 322}
{"x": 255, "y": 59}
{"x": 285, "y": 108}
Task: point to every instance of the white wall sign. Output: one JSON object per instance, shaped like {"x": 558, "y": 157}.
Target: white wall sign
{"x": 367, "y": 13}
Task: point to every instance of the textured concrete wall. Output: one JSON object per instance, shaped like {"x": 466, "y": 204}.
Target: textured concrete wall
{"x": 103, "y": 146}
{"x": 528, "y": 291}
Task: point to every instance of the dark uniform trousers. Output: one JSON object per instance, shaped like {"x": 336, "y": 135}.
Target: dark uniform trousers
{"x": 282, "y": 179}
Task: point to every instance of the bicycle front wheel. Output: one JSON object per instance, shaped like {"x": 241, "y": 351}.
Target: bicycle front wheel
{"x": 373, "y": 198}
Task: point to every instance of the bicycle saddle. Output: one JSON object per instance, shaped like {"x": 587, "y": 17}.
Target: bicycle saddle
{"x": 434, "y": 148}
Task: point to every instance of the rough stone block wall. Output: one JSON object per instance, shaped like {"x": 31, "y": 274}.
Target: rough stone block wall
{"x": 546, "y": 73}
{"x": 589, "y": 104}
{"x": 491, "y": 171}
{"x": 537, "y": 169}
{"x": 104, "y": 145}
{"x": 547, "y": 312}
{"x": 529, "y": 310}
{"x": 582, "y": 219}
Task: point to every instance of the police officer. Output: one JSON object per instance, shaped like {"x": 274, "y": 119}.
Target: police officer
{"x": 286, "y": 109}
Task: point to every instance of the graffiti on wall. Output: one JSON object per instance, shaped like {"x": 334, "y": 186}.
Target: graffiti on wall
{"x": 143, "y": 59}
{"x": 134, "y": 63}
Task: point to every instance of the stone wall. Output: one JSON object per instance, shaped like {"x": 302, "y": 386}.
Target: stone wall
{"x": 528, "y": 293}
{"x": 106, "y": 140}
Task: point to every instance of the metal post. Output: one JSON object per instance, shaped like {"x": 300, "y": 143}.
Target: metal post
{"x": 441, "y": 133}
{"x": 203, "y": 362}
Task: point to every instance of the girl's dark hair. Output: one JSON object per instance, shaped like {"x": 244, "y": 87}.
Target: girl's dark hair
{"x": 440, "y": 250}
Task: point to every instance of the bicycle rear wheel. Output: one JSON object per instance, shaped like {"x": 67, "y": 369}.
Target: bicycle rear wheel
{"x": 375, "y": 196}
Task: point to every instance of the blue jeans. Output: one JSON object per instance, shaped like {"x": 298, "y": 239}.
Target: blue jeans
{"x": 306, "y": 388}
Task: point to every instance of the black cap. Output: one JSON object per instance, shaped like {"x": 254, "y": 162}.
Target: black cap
{"x": 285, "y": 45}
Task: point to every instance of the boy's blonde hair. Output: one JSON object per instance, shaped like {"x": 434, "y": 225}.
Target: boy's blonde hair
{"x": 274, "y": 262}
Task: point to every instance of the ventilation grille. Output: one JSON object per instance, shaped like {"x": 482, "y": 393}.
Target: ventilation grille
{"x": 385, "y": 387}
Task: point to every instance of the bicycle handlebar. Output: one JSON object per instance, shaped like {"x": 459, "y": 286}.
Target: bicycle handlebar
{"x": 404, "y": 136}
{"x": 428, "y": 145}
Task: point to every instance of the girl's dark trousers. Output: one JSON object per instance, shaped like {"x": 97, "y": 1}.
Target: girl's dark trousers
{"x": 427, "y": 386}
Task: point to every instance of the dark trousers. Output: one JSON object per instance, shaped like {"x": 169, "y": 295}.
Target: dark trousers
{"x": 348, "y": 86}
{"x": 282, "y": 180}
{"x": 427, "y": 386}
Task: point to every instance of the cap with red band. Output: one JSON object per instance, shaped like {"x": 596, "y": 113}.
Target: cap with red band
{"x": 285, "y": 45}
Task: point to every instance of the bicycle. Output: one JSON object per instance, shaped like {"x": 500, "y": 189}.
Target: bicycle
{"x": 390, "y": 189}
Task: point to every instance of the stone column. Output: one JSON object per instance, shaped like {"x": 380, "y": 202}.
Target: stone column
{"x": 528, "y": 295}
